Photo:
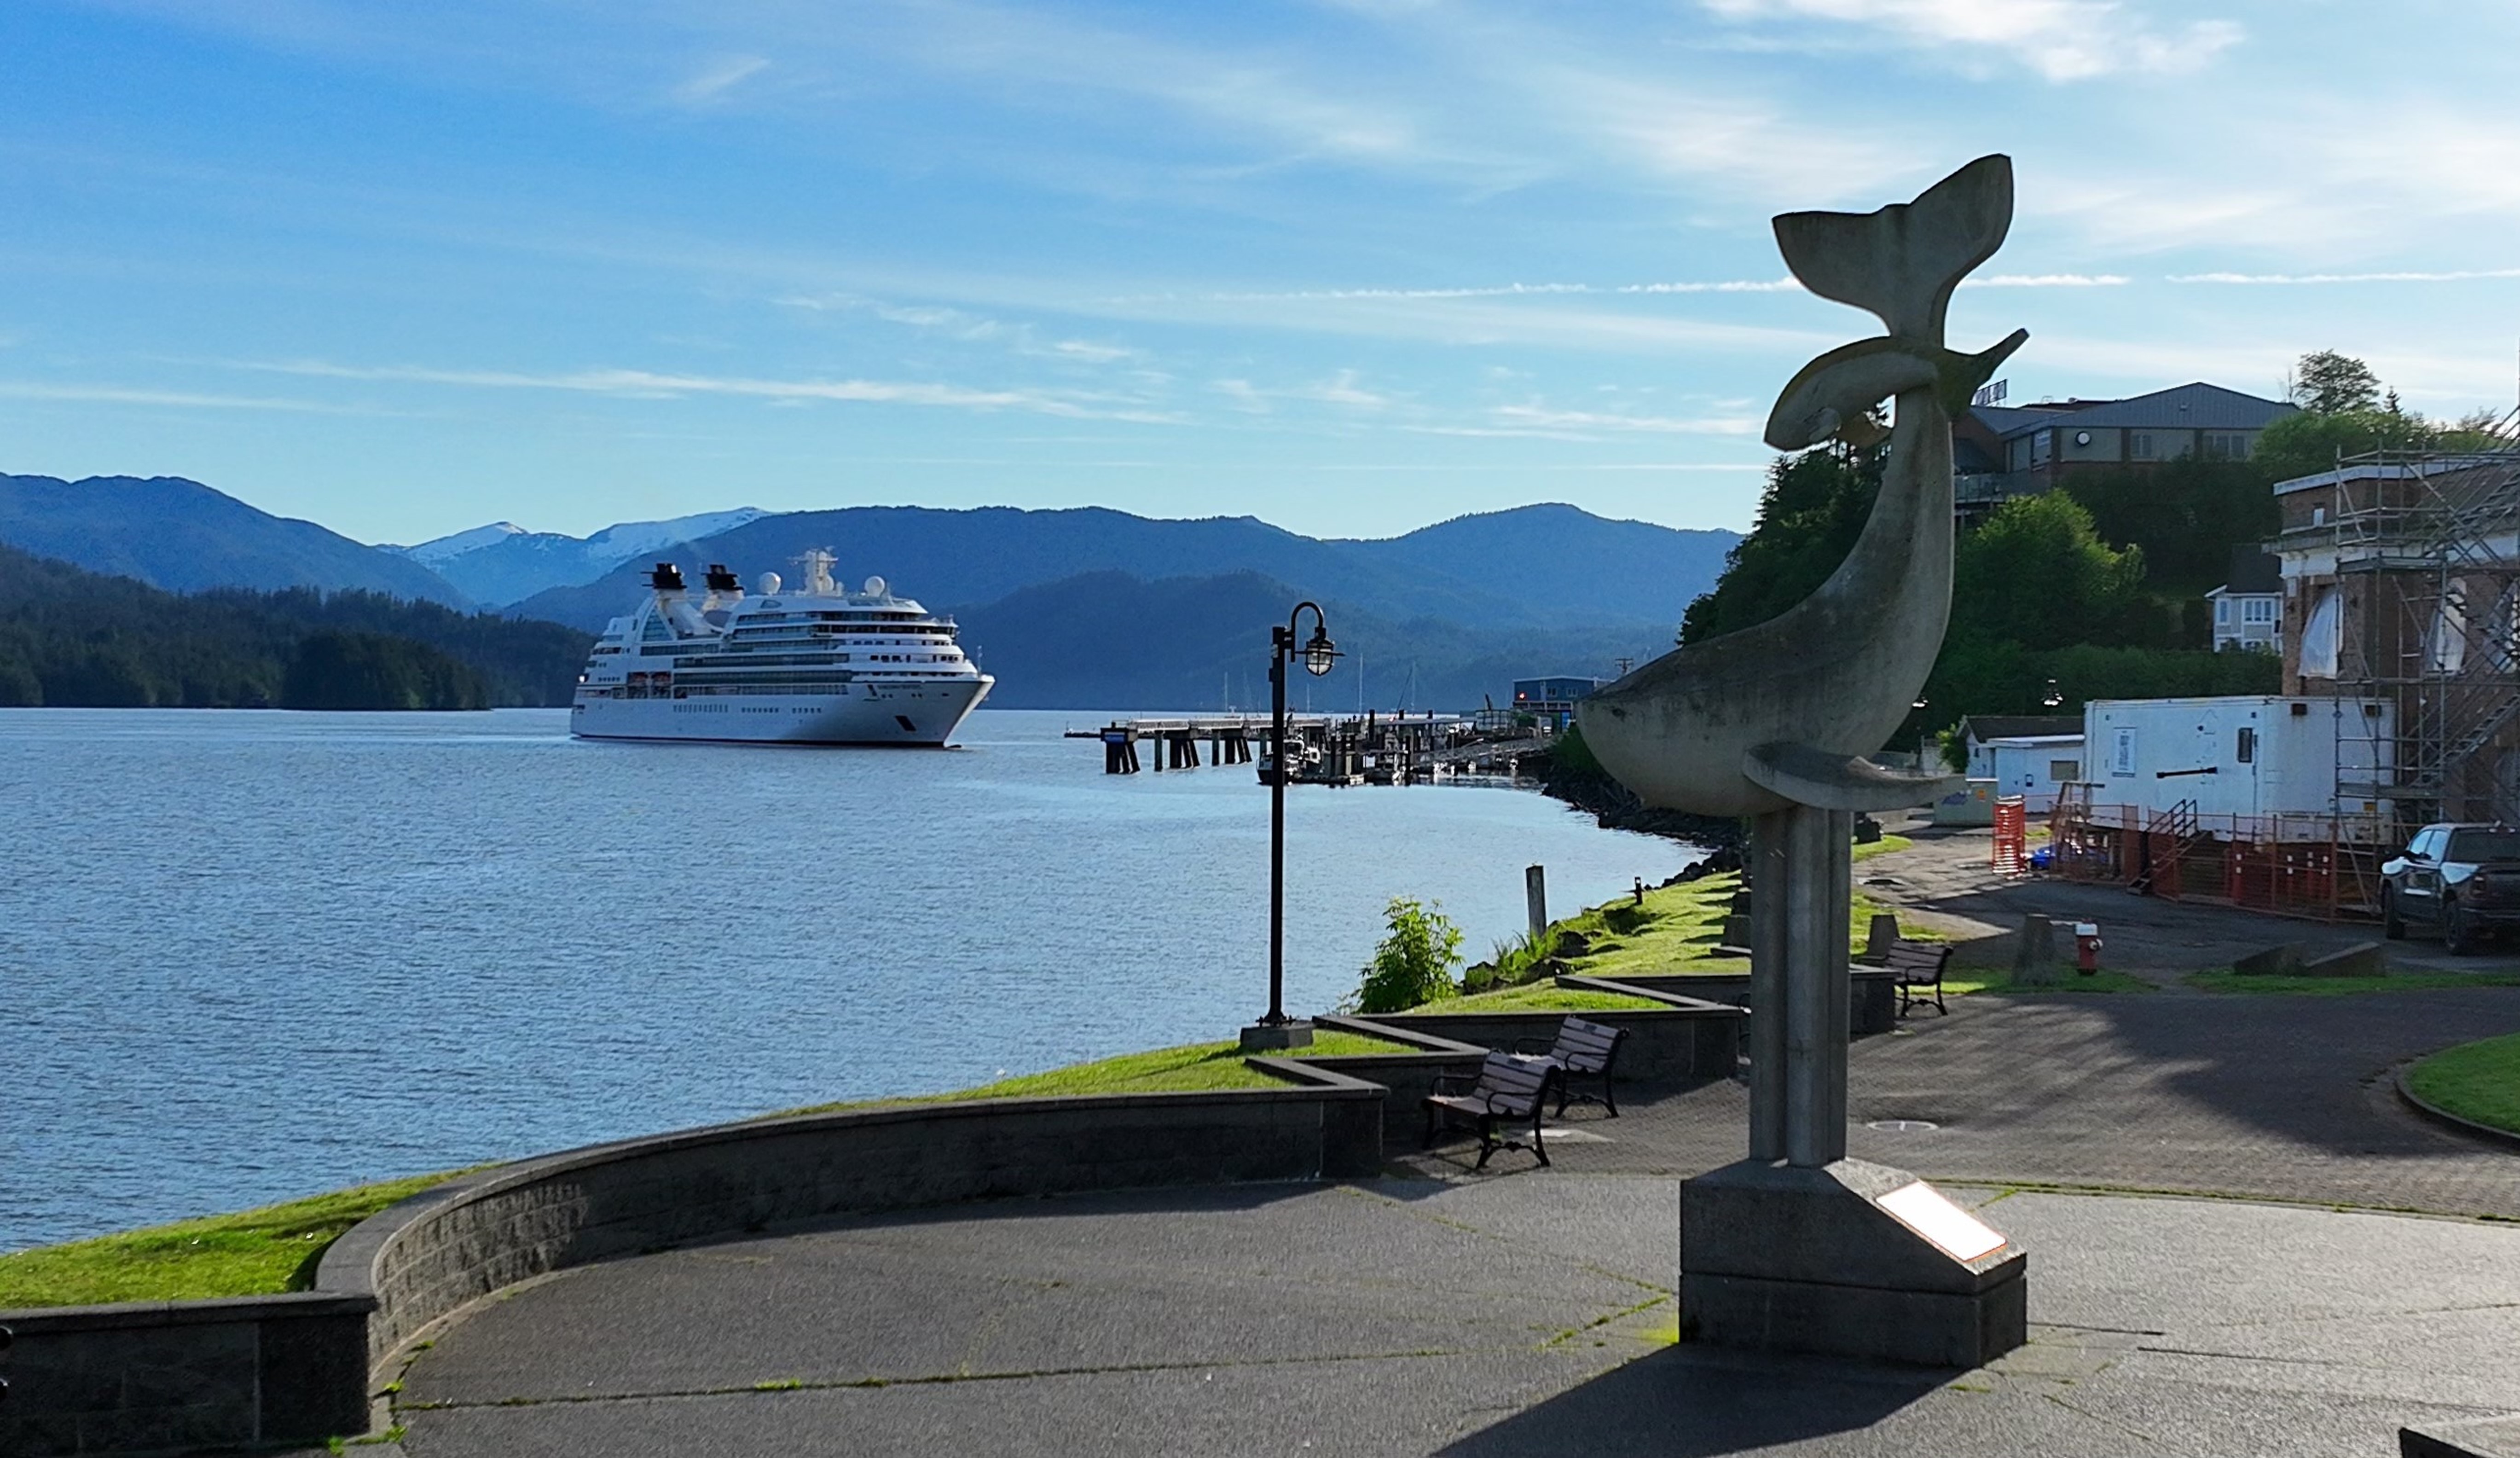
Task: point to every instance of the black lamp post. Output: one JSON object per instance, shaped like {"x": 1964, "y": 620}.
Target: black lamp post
{"x": 1276, "y": 1030}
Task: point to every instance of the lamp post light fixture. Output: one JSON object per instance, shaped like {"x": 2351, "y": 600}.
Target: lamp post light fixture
{"x": 1923, "y": 729}
{"x": 1276, "y": 1030}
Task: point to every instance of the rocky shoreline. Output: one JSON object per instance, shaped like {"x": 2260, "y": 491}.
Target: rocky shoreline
{"x": 1567, "y": 771}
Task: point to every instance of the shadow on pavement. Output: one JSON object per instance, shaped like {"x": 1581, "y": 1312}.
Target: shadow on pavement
{"x": 1683, "y": 1403}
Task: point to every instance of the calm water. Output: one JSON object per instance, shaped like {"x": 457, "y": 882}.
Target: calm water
{"x": 245, "y": 956}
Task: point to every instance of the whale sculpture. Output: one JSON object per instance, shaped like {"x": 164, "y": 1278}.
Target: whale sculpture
{"x": 1780, "y": 713}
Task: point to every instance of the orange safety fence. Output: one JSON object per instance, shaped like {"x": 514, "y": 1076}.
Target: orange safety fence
{"x": 2011, "y": 836}
{"x": 2322, "y": 866}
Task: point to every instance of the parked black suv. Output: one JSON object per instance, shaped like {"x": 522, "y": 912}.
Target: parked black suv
{"x": 2460, "y": 880}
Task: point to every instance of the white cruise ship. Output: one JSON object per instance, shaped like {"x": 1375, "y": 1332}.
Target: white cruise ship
{"x": 816, "y": 665}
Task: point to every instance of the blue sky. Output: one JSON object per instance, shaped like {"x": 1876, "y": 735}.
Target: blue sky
{"x": 1348, "y": 267}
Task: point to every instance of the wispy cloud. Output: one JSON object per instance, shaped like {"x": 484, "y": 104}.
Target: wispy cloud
{"x": 1539, "y": 418}
{"x": 2445, "y": 276}
{"x": 652, "y": 385}
{"x": 962, "y": 324}
{"x": 2046, "y": 281}
{"x": 1340, "y": 389}
{"x": 2063, "y": 40}
{"x": 115, "y": 394}
{"x": 713, "y": 80}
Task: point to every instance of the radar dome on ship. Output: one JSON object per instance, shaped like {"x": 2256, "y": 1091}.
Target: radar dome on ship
{"x": 767, "y": 583}
{"x": 875, "y": 587}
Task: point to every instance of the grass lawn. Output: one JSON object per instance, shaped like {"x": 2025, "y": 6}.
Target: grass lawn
{"x": 260, "y": 1252}
{"x": 256, "y": 1253}
{"x": 1541, "y": 996}
{"x": 2227, "y": 981}
{"x": 2478, "y": 1080}
{"x": 1190, "y": 1069}
{"x": 1679, "y": 927}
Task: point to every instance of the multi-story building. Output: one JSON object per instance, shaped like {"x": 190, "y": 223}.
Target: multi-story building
{"x": 1999, "y": 452}
{"x": 2401, "y": 575}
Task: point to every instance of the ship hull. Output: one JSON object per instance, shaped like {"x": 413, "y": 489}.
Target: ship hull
{"x": 913, "y": 714}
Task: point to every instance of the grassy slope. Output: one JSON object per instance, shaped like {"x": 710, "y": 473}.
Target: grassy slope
{"x": 1679, "y": 927}
{"x": 275, "y": 1248}
{"x": 252, "y": 1253}
{"x": 2478, "y": 1081}
{"x": 1540, "y": 997}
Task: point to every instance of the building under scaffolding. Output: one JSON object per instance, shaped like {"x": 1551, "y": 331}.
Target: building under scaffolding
{"x": 2401, "y": 622}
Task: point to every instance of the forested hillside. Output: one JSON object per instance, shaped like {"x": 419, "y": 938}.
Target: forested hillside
{"x": 76, "y": 639}
{"x": 185, "y": 537}
{"x": 2044, "y": 602}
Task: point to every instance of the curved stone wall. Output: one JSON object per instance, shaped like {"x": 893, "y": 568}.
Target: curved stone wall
{"x": 299, "y": 1368}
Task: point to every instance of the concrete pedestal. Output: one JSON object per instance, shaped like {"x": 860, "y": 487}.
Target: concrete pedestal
{"x": 1277, "y": 1037}
{"x": 1847, "y": 1259}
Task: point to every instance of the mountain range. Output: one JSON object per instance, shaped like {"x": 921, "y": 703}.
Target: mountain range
{"x": 1072, "y": 608}
{"x": 502, "y": 563}
{"x": 183, "y": 537}
{"x": 1550, "y": 565}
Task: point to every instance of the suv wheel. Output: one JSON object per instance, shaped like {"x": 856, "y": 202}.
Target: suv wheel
{"x": 2459, "y": 935}
{"x": 2392, "y": 925}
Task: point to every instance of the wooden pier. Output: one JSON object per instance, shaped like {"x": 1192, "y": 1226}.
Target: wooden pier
{"x": 1372, "y": 748}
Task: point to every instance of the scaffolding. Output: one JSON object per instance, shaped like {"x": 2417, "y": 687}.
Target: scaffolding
{"x": 2424, "y": 623}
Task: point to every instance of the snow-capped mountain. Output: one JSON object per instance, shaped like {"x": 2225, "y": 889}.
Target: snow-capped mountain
{"x": 503, "y": 562}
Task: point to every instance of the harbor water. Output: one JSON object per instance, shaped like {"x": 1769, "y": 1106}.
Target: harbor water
{"x": 246, "y": 957}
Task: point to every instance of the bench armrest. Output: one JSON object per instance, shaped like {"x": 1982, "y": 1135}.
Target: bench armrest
{"x": 1528, "y": 1045}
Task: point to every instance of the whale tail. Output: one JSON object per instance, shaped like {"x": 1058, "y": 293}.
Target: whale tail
{"x": 1956, "y": 382}
{"x": 1902, "y": 262}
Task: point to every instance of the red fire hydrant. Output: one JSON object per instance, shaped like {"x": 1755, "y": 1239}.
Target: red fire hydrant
{"x": 2087, "y": 947}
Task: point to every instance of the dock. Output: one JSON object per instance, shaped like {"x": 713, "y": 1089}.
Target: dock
{"x": 1370, "y": 748}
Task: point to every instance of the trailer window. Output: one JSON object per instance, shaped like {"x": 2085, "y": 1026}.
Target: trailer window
{"x": 2247, "y": 749}
{"x": 2065, "y": 771}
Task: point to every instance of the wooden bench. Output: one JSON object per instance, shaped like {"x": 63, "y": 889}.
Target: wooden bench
{"x": 1507, "y": 1090}
{"x": 1919, "y": 967}
{"x": 1583, "y": 1050}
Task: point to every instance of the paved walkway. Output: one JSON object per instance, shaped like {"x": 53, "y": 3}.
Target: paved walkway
{"x": 1945, "y": 881}
{"x": 1507, "y": 1316}
{"x": 2276, "y": 1097}
{"x": 1529, "y": 1311}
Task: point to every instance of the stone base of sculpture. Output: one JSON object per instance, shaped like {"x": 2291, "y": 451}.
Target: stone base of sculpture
{"x": 1783, "y": 1257}
{"x": 1799, "y": 1248}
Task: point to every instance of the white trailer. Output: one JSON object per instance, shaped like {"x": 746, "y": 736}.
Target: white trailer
{"x": 2244, "y": 761}
{"x": 2033, "y": 766}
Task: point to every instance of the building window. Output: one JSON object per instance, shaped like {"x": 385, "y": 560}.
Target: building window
{"x": 2257, "y": 610}
{"x": 2139, "y": 446}
{"x": 2246, "y": 750}
{"x": 2041, "y": 443}
{"x": 2226, "y": 445}
{"x": 2222, "y": 612}
{"x": 2065, "y": 771}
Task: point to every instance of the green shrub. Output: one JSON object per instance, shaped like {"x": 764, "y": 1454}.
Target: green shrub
{"x": 1414, "y": 962}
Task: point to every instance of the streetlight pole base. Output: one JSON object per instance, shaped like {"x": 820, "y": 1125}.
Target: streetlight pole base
{"x": 1277, "y": 1037}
